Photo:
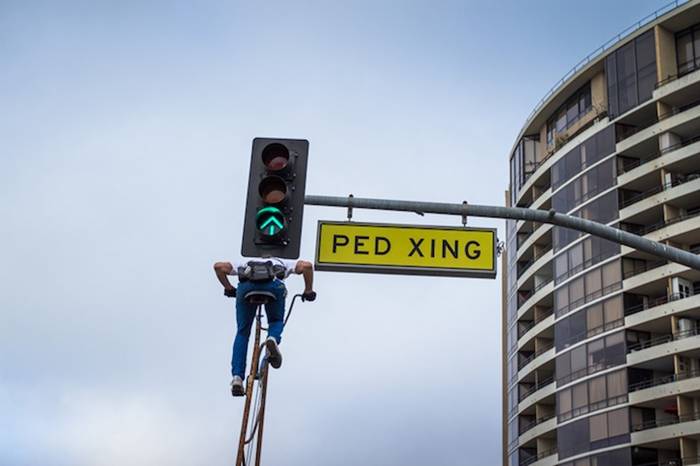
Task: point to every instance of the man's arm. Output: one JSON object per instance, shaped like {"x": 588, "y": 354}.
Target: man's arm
{"x": 306, "y": 269}
{"x": 223, "y": 270}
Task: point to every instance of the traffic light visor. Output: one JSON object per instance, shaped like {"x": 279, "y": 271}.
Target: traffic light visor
{"x": 275, "y": 157}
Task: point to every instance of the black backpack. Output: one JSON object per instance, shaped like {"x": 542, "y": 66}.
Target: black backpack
{"x": 256, "y": 271}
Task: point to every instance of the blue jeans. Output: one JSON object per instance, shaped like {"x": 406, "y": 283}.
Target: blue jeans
{"x": 245, "y": 316}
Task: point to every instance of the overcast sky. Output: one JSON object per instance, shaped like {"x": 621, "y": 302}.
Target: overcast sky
{"x": 125, "y": 137}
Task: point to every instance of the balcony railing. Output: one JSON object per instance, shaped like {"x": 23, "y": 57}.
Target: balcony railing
{"x": 524, "y": 428}
{"x": 588, "y": 298}
{"x": 540, "y": 384}
{"x": 526, "y": 327}
{"x": 589, "y": 333}
{"x": 638, "y": 268}
{"x": 537, "y": 457}
{"x": 625, "y": 131}
{"x": 687, "y": 461}
{"x": 660, "y": 340}
{"x": 628, "y": 166}
{"x": 525, "y": 295}
{"x": 657, "y": 189}
{"x": 642, "y": 230}
{"x": 651, "y": 303}
{"x": 582, "y": 266}
{"x": 600, "y": 50}
{"x": 665, "y": 422}
{"x": 543, "y": 349}
{"x": 633, "y": 387}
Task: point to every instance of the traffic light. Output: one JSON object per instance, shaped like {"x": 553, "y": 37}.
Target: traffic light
{"x": 275, "y": 203}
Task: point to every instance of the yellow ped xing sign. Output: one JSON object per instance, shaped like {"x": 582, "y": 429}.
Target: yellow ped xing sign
{"x": 406, "y": 249}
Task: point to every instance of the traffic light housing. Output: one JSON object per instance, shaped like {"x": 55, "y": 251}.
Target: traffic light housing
{"x": 275, "y": 201}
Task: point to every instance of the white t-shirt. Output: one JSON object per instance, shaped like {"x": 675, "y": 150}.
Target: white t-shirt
{"x": 289, "y": 265}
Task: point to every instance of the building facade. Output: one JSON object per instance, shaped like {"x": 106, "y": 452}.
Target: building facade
{"x": 601, "y": 343}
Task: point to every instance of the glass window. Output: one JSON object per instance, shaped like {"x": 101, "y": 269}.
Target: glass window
{"x": 684, "y": 49}
{"x": 611, "y": 78}
{"x": 615, "y": 352}
{"x": 612, "y": 273}
{"x": 572, "y": 112}
{"x": 561, "y": 122}
{"x": 593, "y": 284}
{"x": 576, "y": 292}
{"x": 596, "y": 354}
{"x": 598, "y": 427}
{"x": 618, "y": 422}
{"x": 617, "y": 383}
{"x": 596, "y": 390}
{"x": 645, "y": 51}
{"x": 613, "y": 310}
{"x": 578, "y": 359}
{"x": 579, "y": 396}
{"x": 628, "y": 73}
{"x": 696, "y": 46}
{"x": 561, "y": 298}
{"x": 563, "y": 366}
{"x": 595, "y": 317}
{"x": 561, "y": 266}
{"x": 564, "y": 401}
{"x": 576, "y": 257}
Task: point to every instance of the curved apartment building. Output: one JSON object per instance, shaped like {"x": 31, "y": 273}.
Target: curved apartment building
{"x": 602, "y": 342}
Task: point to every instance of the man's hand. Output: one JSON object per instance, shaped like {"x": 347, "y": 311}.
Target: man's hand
{"x": 308, "y": 296}
{"x": 230, "y": 292}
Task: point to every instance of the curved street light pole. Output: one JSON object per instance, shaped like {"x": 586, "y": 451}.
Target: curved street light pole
{"x": 515, "y": 213}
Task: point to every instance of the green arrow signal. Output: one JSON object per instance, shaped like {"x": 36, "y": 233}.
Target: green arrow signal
{"x": 269, "y": 220}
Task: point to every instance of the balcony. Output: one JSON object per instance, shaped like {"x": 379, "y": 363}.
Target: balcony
{"x": 631, "y": 135}
{"x": 545, "y": 458}
{"x": 525, "y": 360}
{"x": 654, "y": 423}
{"x": 660, "y": 301}
{"x": 628, "y": 164}
{"x": 663, "y": 339}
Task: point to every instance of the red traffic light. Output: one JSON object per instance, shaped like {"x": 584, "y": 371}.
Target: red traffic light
{"x": 275, "y": 157}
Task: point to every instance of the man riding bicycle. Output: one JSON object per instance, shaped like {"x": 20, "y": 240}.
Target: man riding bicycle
{"x": 260, "y": 274}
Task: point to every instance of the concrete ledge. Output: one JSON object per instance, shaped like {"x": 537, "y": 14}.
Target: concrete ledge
{"x": 658, "y": 312}
{"x": 537, "y": 396}
{"x": 659, "y": 198}
{"x": 661, "y": 433}
{"x": 535, "y": 267}
{"x": 538, "y": 430}
{"x": 535, "y": 363}
{"x": 665, "y": 390}
{"x": 536, "y": 330}
{"x": 667, "y": 159}
{"x": 665, "y": 349}
{"x": 662, "y": 126}
{"x": 676, "y": 85}
{"x": 536, "y": 235}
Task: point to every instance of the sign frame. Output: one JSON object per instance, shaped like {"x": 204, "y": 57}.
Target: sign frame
{"x": 404, "y": 269}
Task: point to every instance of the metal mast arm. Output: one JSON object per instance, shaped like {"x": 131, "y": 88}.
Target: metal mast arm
{"x": 516, "y": 213}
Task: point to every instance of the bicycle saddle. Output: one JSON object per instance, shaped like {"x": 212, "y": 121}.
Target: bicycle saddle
{"x": 259, "y": 297}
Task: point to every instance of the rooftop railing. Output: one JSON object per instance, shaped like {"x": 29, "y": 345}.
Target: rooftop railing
{"x": 599, "y": 51}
